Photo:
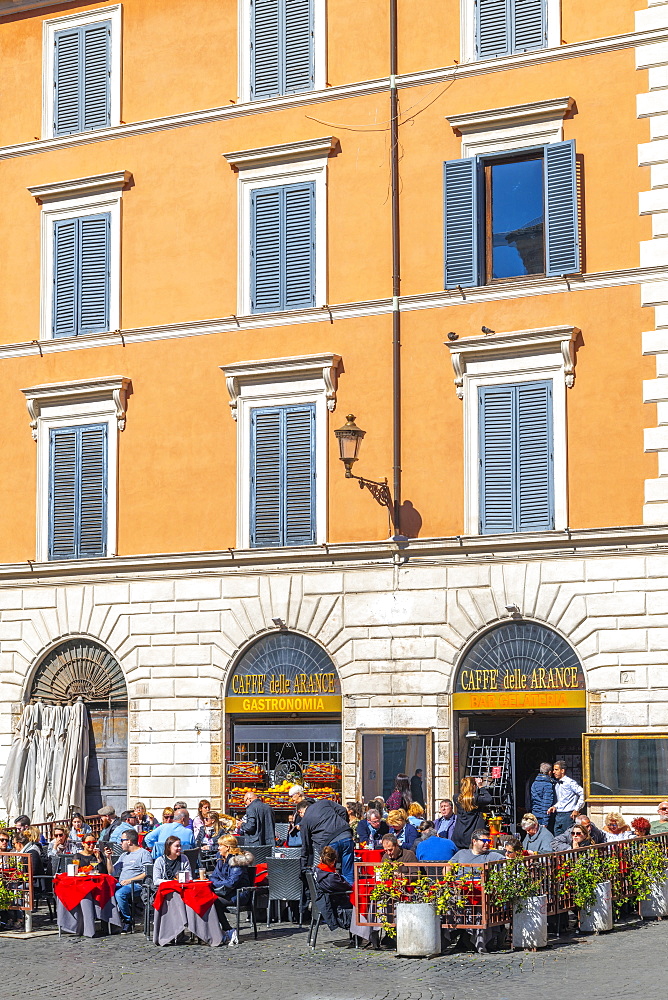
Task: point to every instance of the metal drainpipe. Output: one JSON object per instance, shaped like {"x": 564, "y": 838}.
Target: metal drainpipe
{"x": 396, "y": 266}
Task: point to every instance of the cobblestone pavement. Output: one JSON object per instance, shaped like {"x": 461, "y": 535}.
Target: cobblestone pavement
{"x": 626, "y": 962}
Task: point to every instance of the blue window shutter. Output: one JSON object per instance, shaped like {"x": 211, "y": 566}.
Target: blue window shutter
{"x": 95, "y": 233}
{"x": 267, "y": 486}
{"x": 300, "y": 475}
{"x": 492, "y": 28}
{"x": 67, "y": 83}
{"x": 66, "y": 278}
{"x": 535, "y": 458}
{"x": 299, "y": 246}
{"x": 562, "y": 250}
{"x": 497, "y": 460}
{"x": 96, "y": 75}
{"x": 93, "y": 491}
{"x": 299, "y": 59}
{"x": 529, "y": 25}
{"x": 265, "y": 49}
{"x": 267, "y": 211}
{"x": 461, "y": 225}
{"x": 63, "y": 480}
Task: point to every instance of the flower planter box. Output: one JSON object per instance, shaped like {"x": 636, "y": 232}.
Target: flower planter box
{"x": 418, "y": 930}
{"x": 657, "y": 904}
{"x": 530, "y": 924}
{"x": 598, "y": 917}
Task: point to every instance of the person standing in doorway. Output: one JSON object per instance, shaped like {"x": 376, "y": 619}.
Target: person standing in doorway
{"x": 569, "y": 801}
{"x": 542, "y": 794}
{"x": 417, "y": 792}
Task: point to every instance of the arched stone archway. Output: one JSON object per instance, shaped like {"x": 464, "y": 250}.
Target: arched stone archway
{"x": 79, "y": 668}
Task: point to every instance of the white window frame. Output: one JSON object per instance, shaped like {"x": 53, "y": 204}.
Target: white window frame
{"x": 49, "y": 29}
{"x": 508, "y": 359}
{"x": 77, "y": 404}
{"x": 319, "y": 51}
{"x": 273, "y": 167}
{"x": 467, "y": 31}
{"x": 71, "y": 200}
{"x": 282, "y": 382}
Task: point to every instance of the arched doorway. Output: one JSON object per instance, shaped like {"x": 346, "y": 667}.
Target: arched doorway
{"x": 283, "y": 721}
{"x": 82, "y": 669}
{"x": 519, "y": 699}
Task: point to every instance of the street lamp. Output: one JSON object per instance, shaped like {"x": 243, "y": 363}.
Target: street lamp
{"x": 350, "y": 438}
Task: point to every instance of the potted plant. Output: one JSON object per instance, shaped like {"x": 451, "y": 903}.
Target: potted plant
{"x": 588, "y": 878}
{"x": 515, "y": 883}
{"x": 417, "y": 903}
{"x": 647, "y": 878}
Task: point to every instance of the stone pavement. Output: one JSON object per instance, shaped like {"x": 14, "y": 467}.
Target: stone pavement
{"x": 629, "y": 962}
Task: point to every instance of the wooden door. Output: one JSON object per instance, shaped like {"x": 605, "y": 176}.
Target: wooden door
{"x": 107, "y": 781}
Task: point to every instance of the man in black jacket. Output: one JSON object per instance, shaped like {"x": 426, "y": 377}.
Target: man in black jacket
{"x": 325, "y": 823}
{"x": 258, "y": 823}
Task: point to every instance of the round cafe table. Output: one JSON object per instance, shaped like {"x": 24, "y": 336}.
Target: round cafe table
{"x": 83, "y": 899}
{"x": 181, "y": 906}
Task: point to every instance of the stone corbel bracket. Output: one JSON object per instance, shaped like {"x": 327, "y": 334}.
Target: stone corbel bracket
{"x": 324, "y": 367}
{"x": 116, "y": 388}
{"x": 551, "y": 339}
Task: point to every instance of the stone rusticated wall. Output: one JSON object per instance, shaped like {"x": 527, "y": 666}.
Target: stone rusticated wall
{"x": 394, "y": 633}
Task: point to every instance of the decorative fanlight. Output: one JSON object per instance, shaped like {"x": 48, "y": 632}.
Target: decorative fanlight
{"x": 79, "y": 669}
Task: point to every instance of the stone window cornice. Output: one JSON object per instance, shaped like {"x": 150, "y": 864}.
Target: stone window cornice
{"x": 273, "y": 370}
{"x": 94, "y": 390}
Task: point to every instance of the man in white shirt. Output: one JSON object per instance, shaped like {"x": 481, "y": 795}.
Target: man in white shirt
{"x": 570, "y": 799}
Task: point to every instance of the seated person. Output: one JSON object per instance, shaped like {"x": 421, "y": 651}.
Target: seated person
{"x": 395, "y": 852}
{"x": 563, "y": 841}
{"x": 155, "y": 840}
{"x": 60, "y": 843}
{"x": 370, "y": 831}
{"x": 415, "y": 814}
{"x": 404, "y": 831}
{"x": 79, "y": 829}
{"x": 537, "y": 838}
{"x": 126, "y": 823}
{"x": 479, "y": 853}
{"x": 431, "y": 847}
{"x": 510, "y": 846}
{"x": 332, "y": 891}
{"x": 169, "y": 864}
{"x": 89, "y": 856}
{"x": 580, "y": 837}
{"x": 641, "y": 826}
{"x": 209, "y": 831}
{"x": 23, "y": 845}
{"x": 129, "y": 870}
{"x": 616, "y": 828}
{"x": 232, "y": 872}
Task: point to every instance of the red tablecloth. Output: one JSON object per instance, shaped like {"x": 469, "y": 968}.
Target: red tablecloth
{"x": 197, "y": 895}
{"x": 71, "y": 889}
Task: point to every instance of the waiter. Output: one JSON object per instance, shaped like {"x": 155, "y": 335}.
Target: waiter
{"x": 570, "y": 799}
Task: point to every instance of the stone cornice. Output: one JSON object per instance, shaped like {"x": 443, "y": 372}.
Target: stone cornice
{"x": 575, "y": 50}
{"x": 288, "y": 152}
{"x": 618, "y": 542}
{"x": 81, "y": 186}
{"x": 518, "y": 114}
{"x": 234, "y": 325}
{"x": 310, "y": 366}
{"x": 116, "y": 388}
{"x": 560, "y": 338}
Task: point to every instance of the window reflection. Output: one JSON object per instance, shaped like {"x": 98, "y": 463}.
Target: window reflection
{"x": 516, "y": 218}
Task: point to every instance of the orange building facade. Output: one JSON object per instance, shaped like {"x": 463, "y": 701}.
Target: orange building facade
{"x": 225, "y": 228}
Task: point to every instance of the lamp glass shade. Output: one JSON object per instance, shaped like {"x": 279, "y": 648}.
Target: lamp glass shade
{"x": 350, "y": 438}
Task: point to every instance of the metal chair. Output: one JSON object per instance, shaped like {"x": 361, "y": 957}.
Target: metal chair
{"x": 281, "y": 830}
{"x": 261, "y": 853}
{"x": 192, "y": 854}
{"x": 246, "y": 902}
{"x": 317, "y": 916}
{"x": 285, "y": 884}
{"x": 287, "y": 852}
{"x": 148, "y": 895}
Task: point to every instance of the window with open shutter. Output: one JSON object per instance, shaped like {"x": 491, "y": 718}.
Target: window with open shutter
{"x": 82, "y": 78}
{"x": 283, "y": 247}
{"x": 282, "y": 476}
{"x": 78, "y": 492}
{"x": 81, "y": 275}
{"x": 516, "y": 457}
{"x": 503, "y": 27}
{"x": 282, "y": 51}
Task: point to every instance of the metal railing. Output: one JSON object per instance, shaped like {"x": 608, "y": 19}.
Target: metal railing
{"x": 470, "y": 905}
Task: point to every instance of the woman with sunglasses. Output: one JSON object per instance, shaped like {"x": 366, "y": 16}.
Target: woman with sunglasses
{"x": 60, "y": 843}
{"x": 89, "y": 856}
{"x": 581, "y": 837}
